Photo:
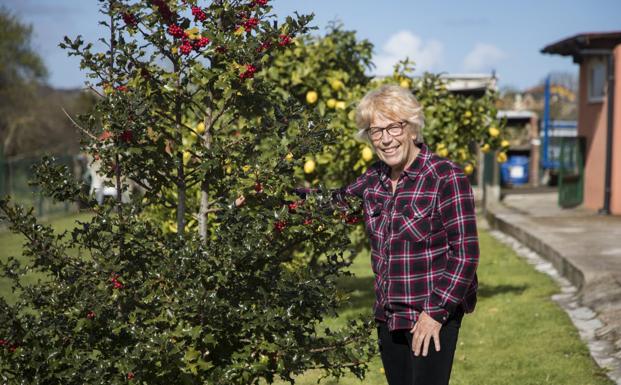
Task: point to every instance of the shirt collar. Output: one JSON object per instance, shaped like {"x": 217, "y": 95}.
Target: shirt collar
{"x": 414, "y": 169}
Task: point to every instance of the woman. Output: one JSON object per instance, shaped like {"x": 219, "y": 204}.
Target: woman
{"x": 420, "y": 218}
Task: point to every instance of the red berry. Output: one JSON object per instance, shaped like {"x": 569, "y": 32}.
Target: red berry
{"x": 261, "y": 3}
{"x": 264, "y": 46}
{"x": 258, "y": 187}
{"x": 122, "y": 88}
{"x": 249, "y": 72}
{"x": 198, "y": 13}
{"x": 352, "y": 220}
{"x": 284, "y": 40}
{"x": 200, "y": 43}
{"x": 280, "y": 226}
{"x": 250, "y": 24}
{"x": 129, "y": 19}
{"x": 127, "y": 136}
{"x": 292, "y": 207}
{"x": 185, "y": 49}
{"x": 130, "y": 375}
{"x": 176, "y": 31}
{"x": 3, "y": 342}
{"x": 90, "y": 315}
{"x": 220, "y": 49}
{"x": 308, "y": 221}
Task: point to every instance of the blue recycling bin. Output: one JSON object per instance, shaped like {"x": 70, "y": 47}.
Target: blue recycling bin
{"x": 515, "y": 170}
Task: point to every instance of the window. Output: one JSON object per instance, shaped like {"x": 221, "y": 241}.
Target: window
{"x": 597, "y": 80}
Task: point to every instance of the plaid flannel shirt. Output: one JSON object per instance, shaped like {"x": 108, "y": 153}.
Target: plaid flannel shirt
{"x": 424, "y": 242}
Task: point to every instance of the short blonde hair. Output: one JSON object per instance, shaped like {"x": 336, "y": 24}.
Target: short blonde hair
{"x": 392, "y": 102}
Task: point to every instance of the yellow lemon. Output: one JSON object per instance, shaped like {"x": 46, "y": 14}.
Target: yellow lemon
{"x": 311, "y": 97}
{"x": 239, "y": 31}
{"x": 309, "y": 166}
{"x": 340, "y": 105}
{"x": 186, "y": 157}
{"x": 463, "y": 154}
{"x": 501, "y": 157}
{"x": 200, "y": 128}
{"x": 467, "y": 114}
{"x": 228, "y": 170}
{"x": 336, "y": 85}
{"x": 494, "y": 132}
{"x": 172, "y": 226}
{"x": 331, "y": 103}
{"x": 367, "y": 154}
{"x": 468, "y": 169}
{"x": 246, "y": 168}
{"x": 289, "y": 157}
{"x": 485, "y": 148}
{"x": 504, "y": 143}
{"x": 405, "y": 83}
{"x": 443, "y": 152}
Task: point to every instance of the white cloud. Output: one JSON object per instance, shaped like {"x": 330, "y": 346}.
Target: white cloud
{"x": 426, "y": 55}
{"x": 483, "y": 58}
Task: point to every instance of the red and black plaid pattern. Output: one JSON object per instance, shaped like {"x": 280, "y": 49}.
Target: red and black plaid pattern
{"x": 424, "y": 243}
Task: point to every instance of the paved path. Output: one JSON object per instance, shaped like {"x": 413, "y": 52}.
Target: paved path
{"x": 585, "y": 248}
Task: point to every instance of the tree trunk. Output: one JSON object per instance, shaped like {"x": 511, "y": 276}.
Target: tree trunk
{"x": 204, "y": 204}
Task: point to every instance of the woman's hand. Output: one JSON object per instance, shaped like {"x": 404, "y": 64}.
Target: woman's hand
{"x": 423, "y": 331}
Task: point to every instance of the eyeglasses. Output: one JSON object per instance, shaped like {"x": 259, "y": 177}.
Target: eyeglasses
{"x": 394, "y": 129}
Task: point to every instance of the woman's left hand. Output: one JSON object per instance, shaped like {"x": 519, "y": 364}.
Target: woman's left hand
{"x": 423, "y": 331}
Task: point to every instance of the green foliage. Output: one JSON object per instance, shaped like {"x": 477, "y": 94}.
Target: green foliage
{"x": 217, "y": 298}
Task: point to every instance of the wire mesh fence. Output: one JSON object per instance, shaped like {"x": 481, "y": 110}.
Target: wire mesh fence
{"x": 16, "y": 175}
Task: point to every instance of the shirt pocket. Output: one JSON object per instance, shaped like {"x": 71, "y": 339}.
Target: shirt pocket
{"x": 415, "y": 224}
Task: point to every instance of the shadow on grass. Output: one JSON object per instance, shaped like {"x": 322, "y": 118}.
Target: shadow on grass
{"x": 487, "y": 291}
{"x": 360, "y": 293}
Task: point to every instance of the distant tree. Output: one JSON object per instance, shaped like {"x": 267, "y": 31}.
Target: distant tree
{"x": 21, "y": 69}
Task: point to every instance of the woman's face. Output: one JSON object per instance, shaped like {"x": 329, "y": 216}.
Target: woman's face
{"x": 396, "y": 151}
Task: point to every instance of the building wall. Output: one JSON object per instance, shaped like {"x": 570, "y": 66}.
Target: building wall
{"x": 592, "y": 125}
{"x": 615, "y": 201}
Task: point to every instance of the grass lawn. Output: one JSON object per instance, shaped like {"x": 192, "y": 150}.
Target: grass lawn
{"x": 517, "y": 335}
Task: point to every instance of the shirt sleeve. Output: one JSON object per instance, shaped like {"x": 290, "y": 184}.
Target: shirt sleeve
{"x": 456, "y": 207}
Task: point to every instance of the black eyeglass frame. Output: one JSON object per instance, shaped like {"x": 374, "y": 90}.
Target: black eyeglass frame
{"x": 376, "y": 133}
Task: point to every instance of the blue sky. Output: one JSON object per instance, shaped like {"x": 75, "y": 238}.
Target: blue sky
{"x": 441, "y": 36}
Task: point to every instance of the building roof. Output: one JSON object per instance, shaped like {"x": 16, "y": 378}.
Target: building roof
{"x": 582, "y": 43}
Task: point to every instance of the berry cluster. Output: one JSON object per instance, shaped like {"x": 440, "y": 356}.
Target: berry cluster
{"x": 284, "y": 40}
{"x": 130, "y": 375}
{"x": 186, "y": 47}
{"x": 176, "y": 31}
{"x": 90, "y": 315}
{"x": 280, "y": 225}
{"x": 258, "y": 187}
{"x": 249, "y": 72}
{"x": 198, "y": 13}
{"x": 260, "y": 3}
{"x": 127, "y": 136}
{"x": 12, "y": 347}
{"x": 264, "y": 46}
{"x": 200, "y": 43}
{"x": 250, "y": 23}
{"x": 122, "y": 88}
{"x": 115, "y": 281}
{"x": 129, "y": 19}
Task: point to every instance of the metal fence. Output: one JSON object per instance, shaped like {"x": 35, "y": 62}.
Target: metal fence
{"x": 16, "y": 175}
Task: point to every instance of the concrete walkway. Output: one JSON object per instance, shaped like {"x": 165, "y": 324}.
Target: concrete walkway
{"x": 583, "y": 247}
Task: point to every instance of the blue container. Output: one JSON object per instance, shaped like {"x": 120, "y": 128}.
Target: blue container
{"x": 515, "y": 170}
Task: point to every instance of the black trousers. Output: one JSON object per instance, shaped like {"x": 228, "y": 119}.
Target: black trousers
{"x": 402, "y": 367}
